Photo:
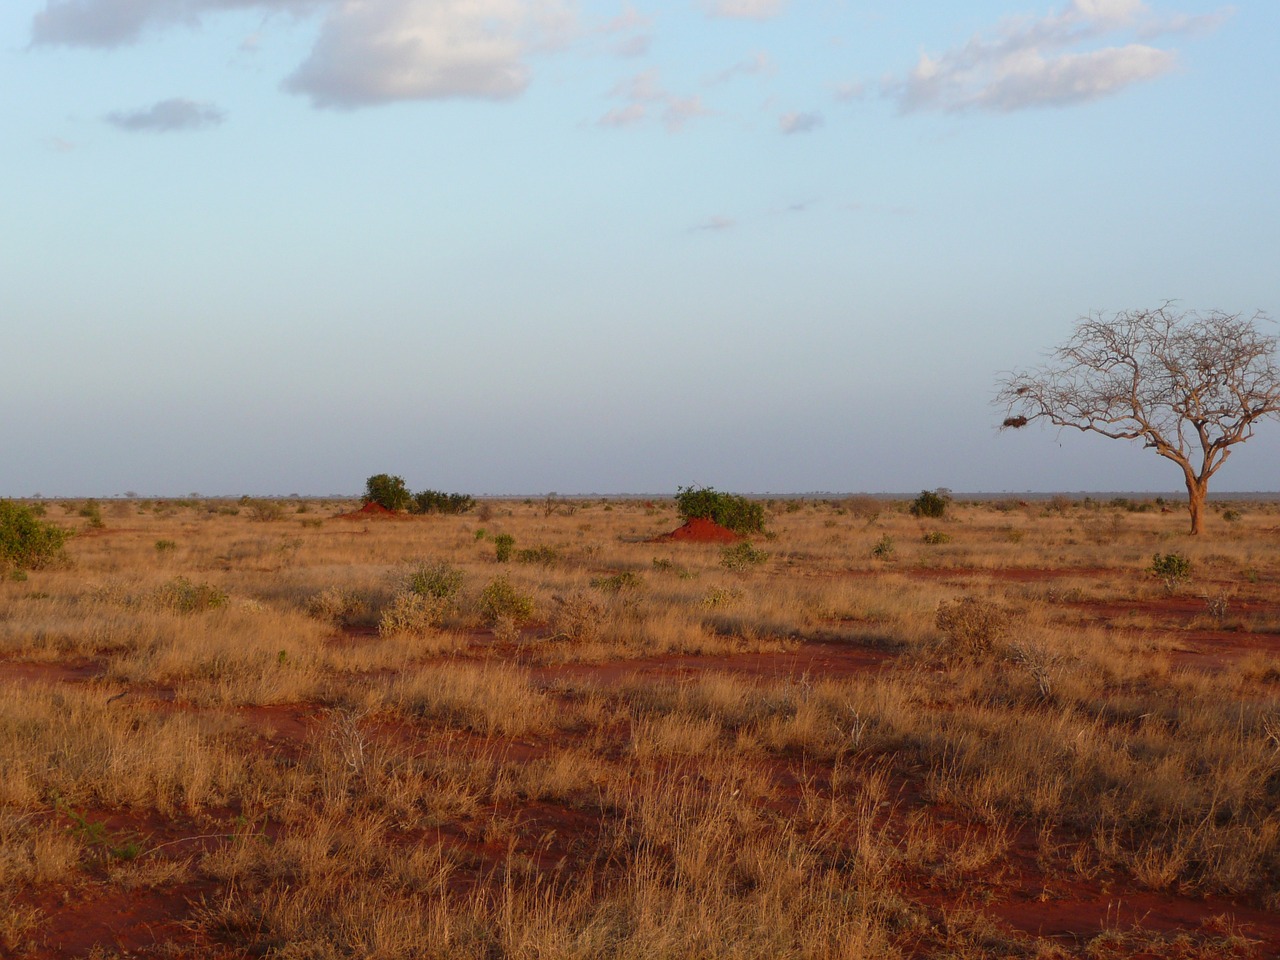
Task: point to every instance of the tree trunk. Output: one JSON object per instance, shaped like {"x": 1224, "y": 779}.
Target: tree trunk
{"x": 1196, "y": 490}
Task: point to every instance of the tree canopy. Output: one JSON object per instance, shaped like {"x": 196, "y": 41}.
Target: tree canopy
{"x": 1188, "y": 385}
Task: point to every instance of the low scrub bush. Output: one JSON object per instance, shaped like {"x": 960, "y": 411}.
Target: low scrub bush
{"x": 971, "y": 625}
{"x": 338, "y": 606}
{"x": 26, "y": 542}
{"x": 936, "y": 537}
{"x": 729, "y": 510}
{"x": 503, "y": 544}
{"x": 181, "y": 595}
{"x": 433, "y": 501}
{"x": 1171, "y": 568}
{"x": 929, "y": 505}
{"x": 620, "y": 582}
{"x": 441, "y": 579}
{"x": 413, "y": 613}
{"x": 500, "y": 600}
{"x": 741, "y": 556}
{"x": 883, "y": 549}
{"x": 543, "y": 555}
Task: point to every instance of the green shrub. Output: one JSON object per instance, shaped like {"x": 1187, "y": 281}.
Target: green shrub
{"x": 433, "y": 501}
{"x": 929, "y": 504}
{"x": 729, "y": 510}
{"x": 1172, "y": 568}
{"x": 387, "y": 491}
{"x": 339, "y": 606}
{"x": 1231, "y": 516}
{"x": 502, "y": 546}
{"x": 500, "y": 600}
{"x": 442, "y": 580}
{"x": 618, "y": 582}
{"x": 935, "y": 537}
{"x": 742, "y": 555}
{"x": 543, "y": 555}
{"x": 883, "y": 550}
{"x": 91, "y": 510}
{"x": 166, "y": 546}
{"x": 180, "y": 595}
{"x": 265, "y": 511}
{"x": 27, "y": 543}
{"x": 413, "y": 613}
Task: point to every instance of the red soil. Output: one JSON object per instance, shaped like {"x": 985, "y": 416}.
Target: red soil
{"x": 699, "y": 530}
{"x": 371, "y": 511}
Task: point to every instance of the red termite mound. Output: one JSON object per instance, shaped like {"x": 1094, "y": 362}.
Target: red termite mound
{"x": 371, "y": 511}
{"x": 699, "y": 530}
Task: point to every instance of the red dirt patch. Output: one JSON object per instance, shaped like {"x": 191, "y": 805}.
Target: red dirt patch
{"x": 371, "y": 511}
{"x": 699, "y": 530}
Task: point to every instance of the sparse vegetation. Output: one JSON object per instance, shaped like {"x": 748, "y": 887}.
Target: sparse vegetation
{"x": 27, "y": 542}
{"x": 355, "y": 741}
{"x": 732, "y": 511}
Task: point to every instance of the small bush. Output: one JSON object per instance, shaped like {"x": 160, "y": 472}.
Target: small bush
{"x": 92, "y": 511}
{"x": 442, "y": 580}
{"x": 624, "y": 580}
{"x": 543, "y": 555}
{"x": 413, "y": 613}
{"x": 27, "y": 543}
{"x": 929, "y": 504}
{"x": 165, "y": 546}
{"x": 500, "y": 600}
{"x": 578, "y": 618}
{"x": 1172, "y": 568}
{"x": 180, "y": 595}
{"x": 1231, "y": 516}
{"x": 936, "y": 537}
{"x": 338, "y": 606}
{"x": 971, "y": 625}
{"x": 433, "y": 501}
{"x": 265, "y": 511}
{"x": 883, "y": 550}
{"x": 502, "y": 546}
{"x": 387, "y": 491}
{"x": 742, "y": 555}
{"x": 729, "y": 510}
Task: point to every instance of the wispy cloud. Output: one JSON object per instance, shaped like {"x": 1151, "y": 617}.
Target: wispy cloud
{"x": 744, "y": 9}
{"x": 168, "y": 116}
{"x": 799, "y": 122}
{"x": 369, "y": 53}
{"x": 1073, "y": 56}
{"x": 758, "y": 64}
{"x": 646, "y": 97}
{"x": 714, "y": 225}
{"x": 114, "y": 23}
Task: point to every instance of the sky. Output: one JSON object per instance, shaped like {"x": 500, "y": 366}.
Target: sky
{"x": 505, "y": 247}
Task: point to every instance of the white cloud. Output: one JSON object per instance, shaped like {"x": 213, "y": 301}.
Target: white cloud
{"x": 744, "y": 9}
{"x": 168, "y": 116}
{"x": 1055, "y": 60}
{"x": 378, "y": 51}
{"x": 799, "y": 122}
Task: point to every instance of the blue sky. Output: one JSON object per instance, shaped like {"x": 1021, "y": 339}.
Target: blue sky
{"x": 276, "y": 246}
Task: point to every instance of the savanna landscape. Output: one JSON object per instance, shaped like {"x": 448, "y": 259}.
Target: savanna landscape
{"x": 547, "y": 728}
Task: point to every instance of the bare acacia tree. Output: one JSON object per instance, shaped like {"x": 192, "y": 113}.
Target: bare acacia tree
{"x": 1188, "y": 385}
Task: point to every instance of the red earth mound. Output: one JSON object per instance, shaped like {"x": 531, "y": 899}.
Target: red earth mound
{"x": 699, "y": 530}
{"x": 371, "y": 511}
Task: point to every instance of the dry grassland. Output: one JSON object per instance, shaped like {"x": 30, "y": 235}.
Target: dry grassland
{"x": 247, "y": 730}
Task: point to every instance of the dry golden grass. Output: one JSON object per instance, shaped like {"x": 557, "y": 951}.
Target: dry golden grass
{"x": 319, "y": 737}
